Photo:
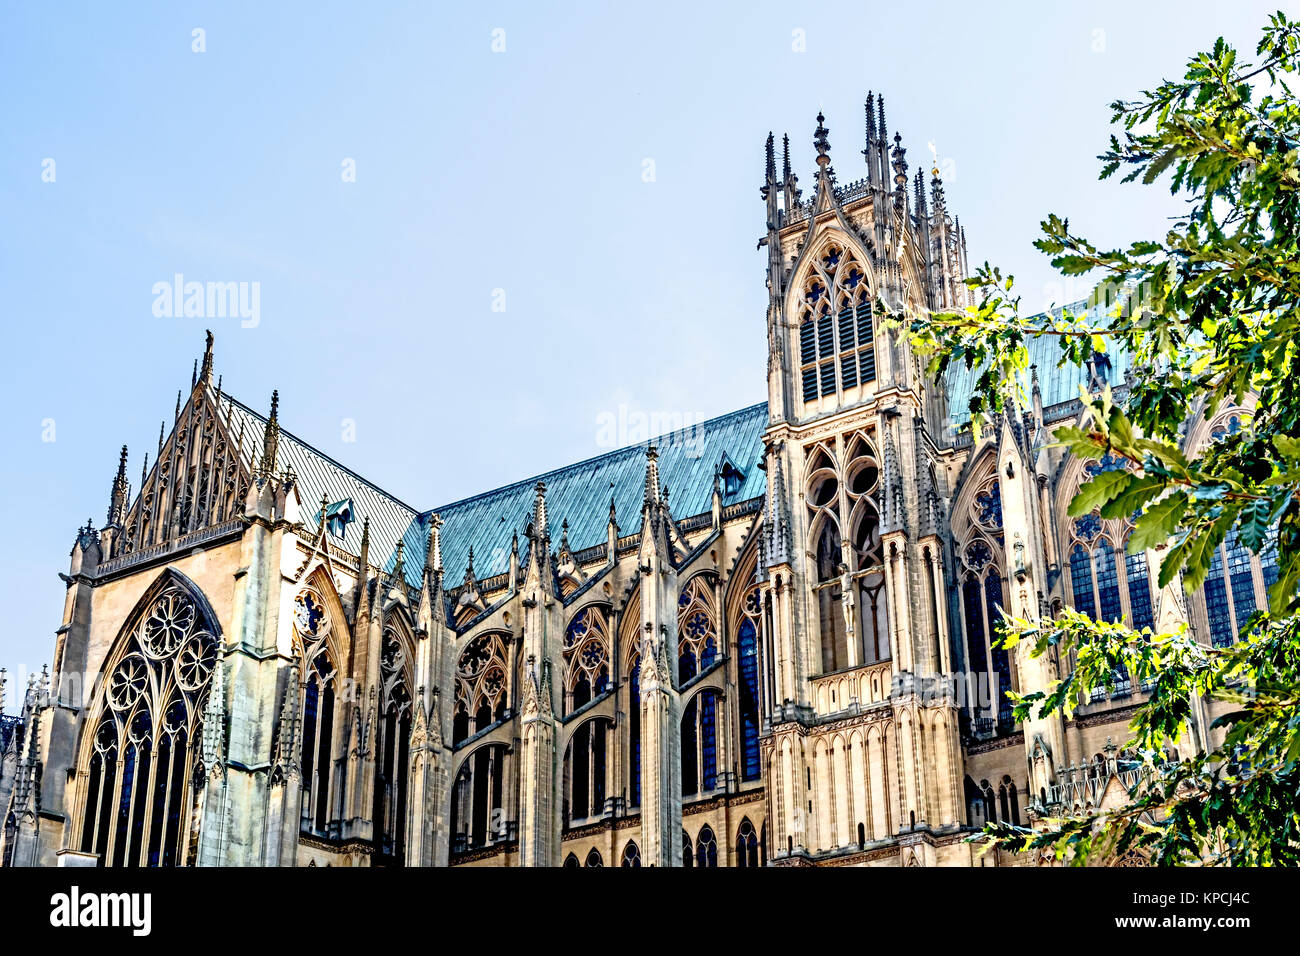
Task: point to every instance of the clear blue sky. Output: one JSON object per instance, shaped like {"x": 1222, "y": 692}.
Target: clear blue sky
{"x": 476, "y": 171}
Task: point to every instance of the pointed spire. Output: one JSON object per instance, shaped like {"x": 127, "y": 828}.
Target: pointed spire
{"x": 821, "y": 140}
{"x": 365, "y": 547}
{"x": 919, "y": 189}
{"x": 177, "y": 416}
{"x": 871, "y": 129}
{"x": 540, "y": 532}
{"x": 194, "y": 374}
{"x": 117, "y": 497}
{"x": 769, "y": 172}
{"x": 936, "y": 195}
{"x": 899, "y": 162}
{"x": 881, "y": 129}
{"x": 214, "y": 720}
{"x": 398, "y": 575}
{"x": 786, "y": 173}
{"x": 651, "y": 476}
{"x": 205, "y": 374}
{"x": 433, "y": 559}
{"x": 271, "y": 437}
{"x": 470, "y": 577}
{"x": 286, "y": 742}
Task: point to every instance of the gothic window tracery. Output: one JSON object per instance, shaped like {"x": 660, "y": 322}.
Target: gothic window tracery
{"x": 1238, "y": 580}
{"x": 393, "y": 746}
{"x": 312, "y": 629}
{"x": 982, "y": 559}
{"x": 1105, "y": 581}
{"x": 849, "y": 576}
{"x": 144, "y": 760}
{"x": 586, "y": 652}
{"x": 836, "y": 333}
{"x": 634, "y": 727}
{"x": 747, "y": 845}
{"x": 631, "y": 855}
{"x": 697, "y": 629}
{"x": 747, "y": 683}
{"x": 706, "y": 849}
{"x": 482, "y": 685}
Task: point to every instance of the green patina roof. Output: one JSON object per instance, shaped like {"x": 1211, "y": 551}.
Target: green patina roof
{"x": 1059, "y": 384}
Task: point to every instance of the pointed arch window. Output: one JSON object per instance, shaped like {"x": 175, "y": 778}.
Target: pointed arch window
{"x": 586, "y": 771}
{"x": 836, "y": 332}
{"x": 747, "y": 845}
{"x": 747, "y": 685}
{"x": 312, "y": 628}
{"x": 699, "y": 744}
{"x": 144, "y": 770}
{"x": 634, "y": 728}
{"x": 850, "y": 591}
{"x": 586, "y": 652}
{"x": 983, "y": 561}
{"x": 393, "y": 749}
{"x": 478, "y": 817}
{"x": 697, "y": 628}
{"x": 631, "y": 855}
{"x": 482, "y": 686}
{"x": 706, "y": 849}
{"x": 688, "y": 856}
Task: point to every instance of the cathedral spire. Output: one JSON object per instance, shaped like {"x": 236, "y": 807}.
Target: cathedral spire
{"x": 651, "y": 477}
{"x": 899, "y": 157}
{"x": 117, "y": 497}
{"x": 205, "y": 372}
{"x": 433, "y": 559}
{"x": 271, "y": 437}
{"x": 539, "y": 530}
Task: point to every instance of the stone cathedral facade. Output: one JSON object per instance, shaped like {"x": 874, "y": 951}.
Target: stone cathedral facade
{"x": 764, "y": 640}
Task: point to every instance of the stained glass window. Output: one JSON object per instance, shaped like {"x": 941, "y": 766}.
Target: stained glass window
{"x": 1107, "y": 581}
{"x": 1216, "y": 603}
{"x": 749, "y": 726}
{"x": 1139, "y": 590}
{"x": 1081, "y": 581}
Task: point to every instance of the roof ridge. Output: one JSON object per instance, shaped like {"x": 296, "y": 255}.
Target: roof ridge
{"x": 573, "y": 466}
{"x": 285, "y": 433}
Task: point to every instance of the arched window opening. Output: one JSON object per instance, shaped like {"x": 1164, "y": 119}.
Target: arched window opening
{"x": 586, "y": 770}
{"x": 706, "y": 849}
{"x": 631, "y": 855}
{"x": 700, "y": 744}
{"x": 836, "y": 333}
{"x": 571, "y": 862}
{"x": 593, "y": 858}
{"x": 688, "y": 858}
{"x": 312, "y": 627}
{"x": 478, "y": 816}
{"x": 982, "y": 556}
{"x": 747, "y": 845}
{"x": 697, "y": 628}
{"x": 393, "y": 750}
{"x": 482, "y": 686}
{"x": 747, "y": 646}
{"x": 139, "y": 796}
{"x": 586, "y": 652}
{"x": 634, "y": 729}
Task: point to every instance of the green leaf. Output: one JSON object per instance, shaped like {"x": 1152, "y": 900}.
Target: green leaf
{"x": 1098, "y": 491}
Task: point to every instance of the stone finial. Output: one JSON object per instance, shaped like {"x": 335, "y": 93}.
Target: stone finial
{"x": 539, "y": 511}
{"x": 118, "y": 495}
{"x": 822, "y": 142}
{"x": 271, "y": 437}
{"x": 898, "y": 159}
{"x": 651, "y": 476}
{"x": 205, "y": 372}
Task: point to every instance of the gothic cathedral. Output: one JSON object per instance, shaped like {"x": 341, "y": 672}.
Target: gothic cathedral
{"x": 766, "y": 640}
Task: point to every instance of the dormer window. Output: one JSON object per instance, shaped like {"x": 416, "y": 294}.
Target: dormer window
{"x": 337, "y": 517}
{"x": 732, "y": 478}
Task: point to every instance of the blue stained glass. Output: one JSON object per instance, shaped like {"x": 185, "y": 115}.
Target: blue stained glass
{"x": 1107, "y": 582}
{"x": 1216, "y": 603}
{"x": 1108, "y": 462}
{"x": 1087, "y": 526}
{"x": 1139, "y": 589}
{"x": 1268, "y": 558}
{"x": 635, "y": 732}
{"x": 1243, "y": 581}
{"x": 989, "y": 507}
{"x": 1081, "y": 581}
{"x": 748, "y": 640}
{"x": 709, "y": 740}
{"x": 974, "y": 626}
{"x": 1001, "y": 662}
